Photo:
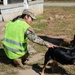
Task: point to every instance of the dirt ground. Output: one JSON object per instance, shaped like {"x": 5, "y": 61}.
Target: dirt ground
{"x": 35, "y": 64}
{"x": 32, "y": 65}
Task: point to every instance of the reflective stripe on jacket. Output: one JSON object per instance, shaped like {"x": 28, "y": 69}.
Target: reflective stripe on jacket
{"x": 15, "y": 42}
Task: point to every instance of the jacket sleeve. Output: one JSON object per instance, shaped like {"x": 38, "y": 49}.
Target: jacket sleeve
{"x": 34, "y": 38}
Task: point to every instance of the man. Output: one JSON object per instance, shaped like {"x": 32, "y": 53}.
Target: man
{"x": 17, "y": 33}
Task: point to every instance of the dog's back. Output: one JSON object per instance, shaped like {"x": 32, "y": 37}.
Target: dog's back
{"x": 59, "y": 54}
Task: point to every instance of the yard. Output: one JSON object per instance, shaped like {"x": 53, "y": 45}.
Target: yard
{"x": 54, "y": 23}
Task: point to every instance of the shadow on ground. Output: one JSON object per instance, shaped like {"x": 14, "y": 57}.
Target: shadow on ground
{"x": 56, "y": 41}
{"x": 4, "y": 59}
{"x": 57, "y": 70}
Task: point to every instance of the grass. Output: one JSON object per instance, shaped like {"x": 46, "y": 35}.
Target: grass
{"x": 59, "y": 0}
{"x": 7, "y": 69}
{"x": 40, "y": 26}
{"x": 57, "y": 26}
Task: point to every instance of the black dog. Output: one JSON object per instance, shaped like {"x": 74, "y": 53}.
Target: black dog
{"x": 61, "y": 55}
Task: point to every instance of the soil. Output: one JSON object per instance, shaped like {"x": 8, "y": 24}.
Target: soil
{"x": 32, "y": 67}
{"x": 35, "y": 64}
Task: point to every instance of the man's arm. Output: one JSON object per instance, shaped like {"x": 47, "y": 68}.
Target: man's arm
{"x": 34, "y": 38}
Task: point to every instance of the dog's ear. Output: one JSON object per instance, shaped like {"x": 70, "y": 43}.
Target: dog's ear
{"x": 73, "y": 42}
{"x": 74, "y": 37}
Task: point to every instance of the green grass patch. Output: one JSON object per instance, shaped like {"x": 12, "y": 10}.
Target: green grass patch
{"x": 40, "y": 27}
{"x": 60, "y": 0}
{"x": 58, "y": 26}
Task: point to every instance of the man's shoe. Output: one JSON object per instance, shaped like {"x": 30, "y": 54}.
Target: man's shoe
{"x": 18, "y": 62}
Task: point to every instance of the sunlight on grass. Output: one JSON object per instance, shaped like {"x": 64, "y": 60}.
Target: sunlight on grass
{"x": 64, "y": 26}
{"x": 40, "y": 27}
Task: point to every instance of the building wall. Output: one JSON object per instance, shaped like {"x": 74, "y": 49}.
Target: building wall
{"x": 36, "y": 6}
{"x": 11, "y": 11}
{"x": 14, "y": 1}
{"x": 37, "y": 9}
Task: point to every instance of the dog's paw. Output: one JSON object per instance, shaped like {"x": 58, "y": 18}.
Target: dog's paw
{"x": 42, "y": 74}
{"x": 74, "y": 63}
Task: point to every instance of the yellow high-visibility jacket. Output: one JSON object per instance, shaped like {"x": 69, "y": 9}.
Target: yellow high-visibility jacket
{"x": 15, "y": 42}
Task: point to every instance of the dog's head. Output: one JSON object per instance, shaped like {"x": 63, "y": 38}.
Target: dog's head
{"x": 73, "y": 42}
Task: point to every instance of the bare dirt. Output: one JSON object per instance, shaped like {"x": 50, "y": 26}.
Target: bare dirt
{"x": 35, "y": 64}
{"x": 31, "y": 65}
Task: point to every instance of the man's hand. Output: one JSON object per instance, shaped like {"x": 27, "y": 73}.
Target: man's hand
{"x": 50, "y": 45}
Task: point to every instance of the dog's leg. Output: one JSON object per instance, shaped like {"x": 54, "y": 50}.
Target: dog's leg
{"x": 53, "y": 64}
{"x": 42, "y": 73}
{"x": 45, "y": 64}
